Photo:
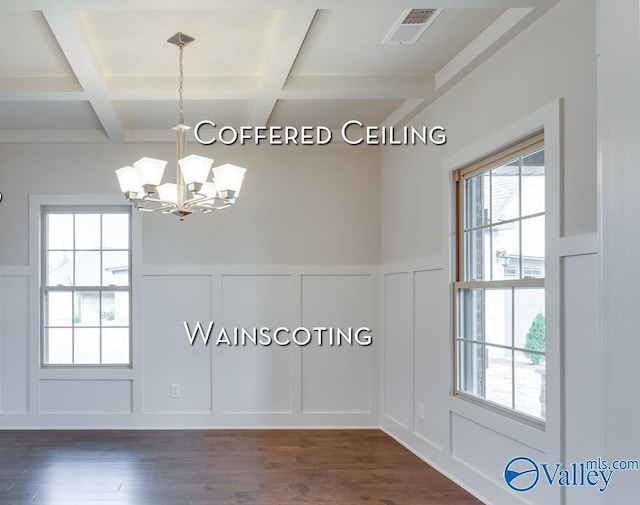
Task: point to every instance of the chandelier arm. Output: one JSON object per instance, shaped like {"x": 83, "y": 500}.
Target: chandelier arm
{"x": 211, "y": 209}
{"x": 198, "y": 200}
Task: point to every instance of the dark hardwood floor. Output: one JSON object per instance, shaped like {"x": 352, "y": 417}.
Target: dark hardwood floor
{"x": 251, "y": 467}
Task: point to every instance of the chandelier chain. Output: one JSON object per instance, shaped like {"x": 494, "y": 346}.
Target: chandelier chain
{"x": 180, "y": 85}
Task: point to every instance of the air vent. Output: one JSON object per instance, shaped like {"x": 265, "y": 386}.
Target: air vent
{"x": 411, "y": 25}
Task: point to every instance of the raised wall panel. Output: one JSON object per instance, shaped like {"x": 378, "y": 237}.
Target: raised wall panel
{"x": 254, "y": 379}
{"x": 14, "y": 346}
{"x": 581, "y": 364}
{"x": 488, "y": 452}
{"x": 168, "y": 301}
{"x": 398, "y": 349}
{"x": 336, "y": 379}
{"x": 85, "y": 396}
{"x": 432, "y": 354}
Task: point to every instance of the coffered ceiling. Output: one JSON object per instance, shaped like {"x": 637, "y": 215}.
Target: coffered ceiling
{"x": 102, "y": 71}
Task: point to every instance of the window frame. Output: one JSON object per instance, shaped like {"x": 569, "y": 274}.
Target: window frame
{"x": 107, "y": 208}
{"x": 520, "y": 148}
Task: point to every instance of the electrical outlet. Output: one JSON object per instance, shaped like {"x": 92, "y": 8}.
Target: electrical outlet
{"x": 421, "y": 410}
{"x": 175, "y": 391}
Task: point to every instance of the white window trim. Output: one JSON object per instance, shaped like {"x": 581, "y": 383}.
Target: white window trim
{"x": 38, "y": 372}
{"x": 544, "y": 436}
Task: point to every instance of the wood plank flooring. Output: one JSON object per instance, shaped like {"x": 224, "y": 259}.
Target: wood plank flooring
{"x": 246, "y": 467}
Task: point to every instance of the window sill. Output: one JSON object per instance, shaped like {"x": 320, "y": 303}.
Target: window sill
{"x": 77, "y": 372}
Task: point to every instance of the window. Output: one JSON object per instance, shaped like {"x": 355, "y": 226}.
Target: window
{"x": 86, "y": 286}
{"x": 499, "y": 285}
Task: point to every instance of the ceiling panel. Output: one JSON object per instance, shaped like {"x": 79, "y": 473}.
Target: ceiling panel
{"x": 331, "y": 113}
{"x": 39, "y": 115}
{"x": 154, "y": 115}
{"x": 348, "y": 42}
{"x": 132, "y": 43}
{"x": 29, "y": 47}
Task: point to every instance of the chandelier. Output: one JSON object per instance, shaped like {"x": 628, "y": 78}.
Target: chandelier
{"x": 141, "y": 183}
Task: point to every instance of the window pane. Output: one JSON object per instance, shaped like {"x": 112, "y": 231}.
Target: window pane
{"x": 499, "y": 373}
{"x": 476, "y": 265}
{"x": 86, "y": 345}
{"x": 471, "y": 366}
{"x": 533, "y": 183}
{"x": 115, "y": 346}
{"x": 505, "y": 189}
{"x": 470, "y": 314}
{"x": 505, "y": 253}
{"x": 500, "y": 331}
{"x": 115, "y": 231}
{"x": 58, "y": 309}
{"x": 60, "y": 231}
{"x": 75, "y": 256}
{"x": 87, "y": 268}
{"x": 498, "y": 316}
{"x": 59, "y": 346}
{"x": 86, "y": 309}
{"x": 529, "y": 319}
{"x": 530, "y": 384}
{"x": 59, "y": 268}
{"x": 115, "y": 308}
{"x": 87, "y": 231}
{"x": 476, "y": 206}
{"x": 533, "y": 247}
{"x": 115, "y": 268}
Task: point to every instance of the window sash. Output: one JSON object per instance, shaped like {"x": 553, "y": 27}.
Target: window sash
{"x": 520, "y": 149}
{"x": 97, "y": 288}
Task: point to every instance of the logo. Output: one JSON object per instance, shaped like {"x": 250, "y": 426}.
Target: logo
{"x": 521, "y": 474}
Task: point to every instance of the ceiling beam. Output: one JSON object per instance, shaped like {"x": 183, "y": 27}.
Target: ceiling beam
{"x": 495, "y": 36}
{"x": 53, "y": 136}
{"x": 197, "y": 87}
{"x": 63, "y": 25}
{"x": 293, "y": 30}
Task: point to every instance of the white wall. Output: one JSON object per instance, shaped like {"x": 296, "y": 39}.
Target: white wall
{"x": 551, "y": 62}
{"x": 299, "y": 205}
{"x": 619, "y": 130}
{"x": 301, "y": 247}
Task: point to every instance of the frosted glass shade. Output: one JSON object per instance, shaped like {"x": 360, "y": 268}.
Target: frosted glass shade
{"x": 229, "y": 177}
{"x": 168, "y": 192}
{"x": 195, "y": 168}
{"x": 128, "y": 180}
{"x": 209, "y": 189}
{"x": 150, "y": 170}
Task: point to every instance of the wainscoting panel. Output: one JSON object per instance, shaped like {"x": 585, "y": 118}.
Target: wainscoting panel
{"x": 253, "y": 378}
{"x": 14, "y": 343}
{"x": 432, "y": 355}
{"x": 398, "y": 349}
{"x": 168, "y": 301}
{"x": 85, "y": 396}
{"x": 337, "y": 379}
